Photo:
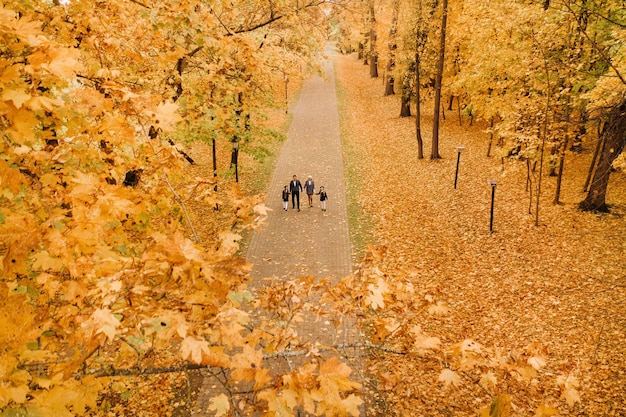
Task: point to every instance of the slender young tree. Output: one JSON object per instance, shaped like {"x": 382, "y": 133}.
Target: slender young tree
{"x": 438, "y": 79}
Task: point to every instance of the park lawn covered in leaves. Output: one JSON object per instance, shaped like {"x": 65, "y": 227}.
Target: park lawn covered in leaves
{"x": 528, "y": 320}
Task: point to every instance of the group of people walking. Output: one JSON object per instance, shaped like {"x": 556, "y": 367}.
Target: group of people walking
{"x": 294, "y": 188}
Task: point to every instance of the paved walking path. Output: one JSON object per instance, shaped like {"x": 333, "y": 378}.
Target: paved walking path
{"x": 313, "y": 242}
{"x": 307, "y": 242}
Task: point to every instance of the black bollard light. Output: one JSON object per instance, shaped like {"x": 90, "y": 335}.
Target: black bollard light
{"x": 459, "y": 149}
{"x": 235, "y": 157}
{"x": 493, "y": 196}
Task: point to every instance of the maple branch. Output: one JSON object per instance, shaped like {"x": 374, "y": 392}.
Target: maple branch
{"x": 136, "y": 371}
{"x": 271, "y": 19}
{"x": 598, "y": 47}
{"x": 140, "y": 3}
{"x": 228, "y": 31}
{"x": 182, "y": 204}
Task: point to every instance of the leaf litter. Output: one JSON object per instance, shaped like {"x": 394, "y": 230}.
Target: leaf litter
{"x": 547, "y": 301}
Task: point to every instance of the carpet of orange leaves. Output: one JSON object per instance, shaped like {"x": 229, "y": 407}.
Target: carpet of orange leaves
{"x": 559, "y": 286}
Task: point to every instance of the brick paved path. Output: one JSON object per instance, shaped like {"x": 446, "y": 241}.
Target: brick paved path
{"x": 309, "y": 242}
{"x": 313, "y": 242}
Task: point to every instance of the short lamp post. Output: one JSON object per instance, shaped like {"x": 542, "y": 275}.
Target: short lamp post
{"x": 493, "y": 184}
{"x": 459, "y": 149}
{"x": 235, "y": 157}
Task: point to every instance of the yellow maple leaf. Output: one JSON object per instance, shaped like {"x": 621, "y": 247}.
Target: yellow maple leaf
{"x": 220, "y": 405}
{"x": 351, "y": 404}
{"x": 545, "y": 411}
{"x": 15, "y": 394}
{"x": 103, "y": 321}
{"x": 537, "y": 362}
{"x": 488, "y": 381}
{"x": 18, "y": 97}
{"x": 44, "y": 262}
{"x": 376, "y": 297}
{"x": 569, "y": 385}
{"x": 335, "y": 375}
{"x": 449, "y": 377}
{"x": 63, "y": 62}
{"x": 166, "y": 115}
{"x": 43, "y": 103}
{"x": 499, "y": 407}
{"x": 23, "y": 123}
{"x": 192, "y": 349}
{"x": 422, "y": 341}
{"x": 229, "y": 243}
{"x": 438, "y": 309}
{"x": 246, "y": 364}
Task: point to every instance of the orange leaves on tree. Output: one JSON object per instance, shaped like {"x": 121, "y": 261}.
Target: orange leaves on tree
{"x": 545, "y": 411}
{"x": 246, "y": 364}
{"x": 376, "y": 297}
{"x": 193, "y": 349}
{"x": 449, "y": 378}
{"x": 424, "y": 342}
{"x": 102, "y": 321}
{"x": 17, "y": 97}
{"x": 334, "y": 379}
{"x": 570, "y": 387}
{"x": 62, "y": 62}
{"x": 220, "y": 405}
{"x": 165, "y": 115}
{"x": 499, "y": 407}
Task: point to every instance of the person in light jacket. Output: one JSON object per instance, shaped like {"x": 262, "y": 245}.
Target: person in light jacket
{"x": 309, "y": 187}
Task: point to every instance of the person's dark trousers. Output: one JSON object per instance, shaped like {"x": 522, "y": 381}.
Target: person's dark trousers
{"x": 295, "y": 197}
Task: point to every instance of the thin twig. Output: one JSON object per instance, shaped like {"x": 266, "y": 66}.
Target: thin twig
{"x": 182, "y": 204}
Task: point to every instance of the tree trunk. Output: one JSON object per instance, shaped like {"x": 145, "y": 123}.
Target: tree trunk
{"x": 559, "y": 178}
{"x": 392, "y": 49}
{"x": 374, "y": 65}
{"x": 615, "y": 139}
{"x": 442, "y": 49}
{"x": 405, "y": 102}
{"x": 592, "y": 166}
{"x": 373, "y": 53}
{"x": 389, "y": 91}
{"x": 490, "y": 137}
{"x": 418, "y": 110}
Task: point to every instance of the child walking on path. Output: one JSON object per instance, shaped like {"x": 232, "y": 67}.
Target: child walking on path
{"x": 285, "y": 198}
{"x": 323, "y": 197}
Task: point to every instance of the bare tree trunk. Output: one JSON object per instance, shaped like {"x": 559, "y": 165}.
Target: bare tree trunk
{"x": 592, "y": 166}
{"x": 615, "y": 138}
{"x": 559, "y": 178}
{"x": 405, "y": 102}
{"x": 529, "y": 186}
{"x": 438, "y": 78}
{"x": 418, "y": 110}
{"x": 490, "y": 137}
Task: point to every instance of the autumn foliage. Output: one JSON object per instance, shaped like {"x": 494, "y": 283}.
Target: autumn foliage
{"x": 104, "y": 279}
{"x": 108, "y": 291}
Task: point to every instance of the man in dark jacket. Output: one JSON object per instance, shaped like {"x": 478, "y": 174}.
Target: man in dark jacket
{"x": 295, "y": 186}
